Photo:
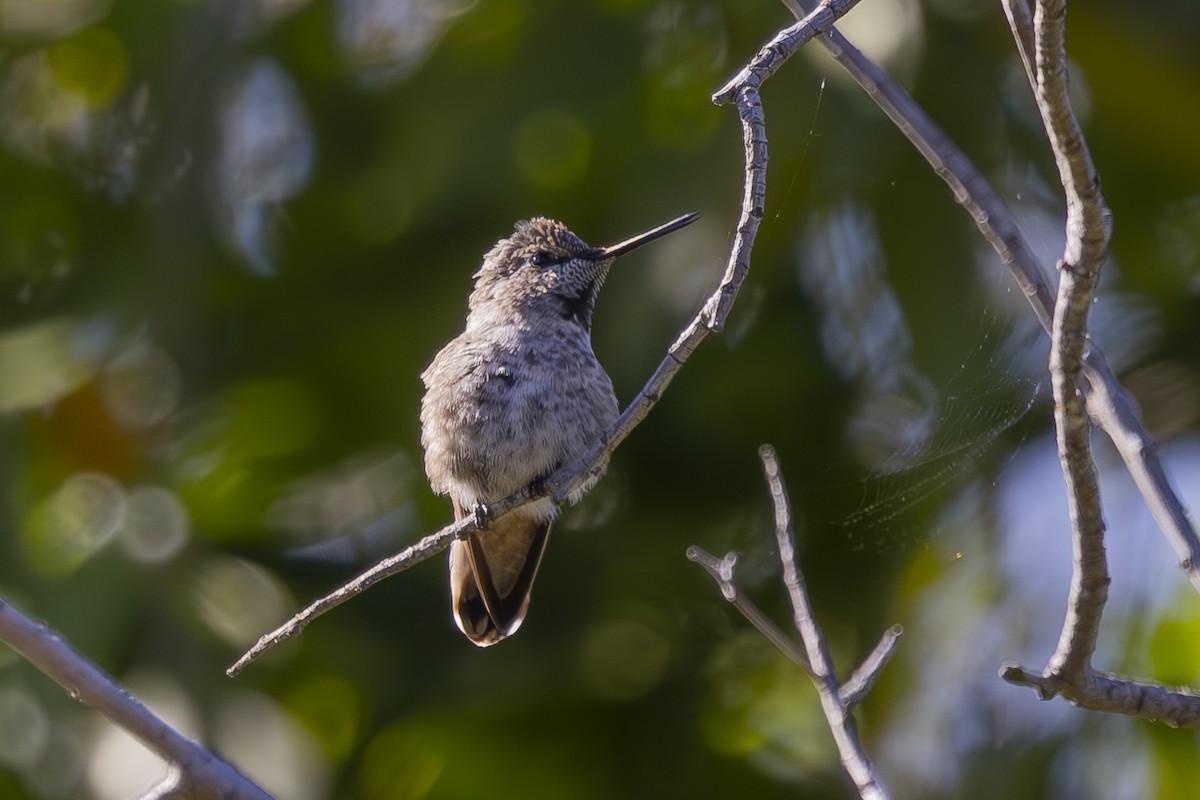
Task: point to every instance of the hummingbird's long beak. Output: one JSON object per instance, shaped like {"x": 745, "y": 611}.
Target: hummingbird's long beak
{"x": 633, "y": 242}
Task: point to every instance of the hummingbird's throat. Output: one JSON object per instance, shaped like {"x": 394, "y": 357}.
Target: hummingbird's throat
{"x": 577, "y": 306}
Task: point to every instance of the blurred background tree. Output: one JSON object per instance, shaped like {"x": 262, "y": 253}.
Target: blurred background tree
{"x": 233, "y": 233}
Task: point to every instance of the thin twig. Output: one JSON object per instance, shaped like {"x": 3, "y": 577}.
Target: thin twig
{"x": 863, "y": 679}
{"x": 837, "y": 703}
{"x": 193, "y": 767}
{"x": 841, "y": 722}
{"x": 721, "y": 571}
{"x": 1020, "y": 20}
{"x": 1108, "y": 403}
{"x": 427, "y": 547}
{"x": 793, "y": 579}
{"x": 783, "y": 46}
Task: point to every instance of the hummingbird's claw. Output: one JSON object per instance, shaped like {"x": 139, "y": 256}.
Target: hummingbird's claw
{"x": 483, "y": 516}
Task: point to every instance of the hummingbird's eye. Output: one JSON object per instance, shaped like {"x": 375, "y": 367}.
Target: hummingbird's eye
{"x": 543, "y": 258}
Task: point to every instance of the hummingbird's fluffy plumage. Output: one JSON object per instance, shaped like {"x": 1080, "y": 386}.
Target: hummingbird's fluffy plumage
{"x": 516, "y": 396}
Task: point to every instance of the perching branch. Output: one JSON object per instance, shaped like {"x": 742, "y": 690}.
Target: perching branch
{"x": 1108, "y": 404}
{"x": 836, "y": 701}
{"x": 410, "y": 556}
{"x": 710, "y": 318}
{"x": 195, "y": 772}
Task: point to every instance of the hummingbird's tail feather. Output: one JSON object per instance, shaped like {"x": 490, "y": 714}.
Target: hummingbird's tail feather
{"x": 491, "y": 574}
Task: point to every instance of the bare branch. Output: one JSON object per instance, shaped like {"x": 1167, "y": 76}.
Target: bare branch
{"x": 855, "y": 689}
{"x": 721, "y": 571}
{"x": 1108, "y": 404}
{"x": 782, "y": 46}
{"x": 1178, "y": 708}
{"x": 841, "y": 722}
{"x": 711, "y": 317}
{"x": 192, "y": 766}
{"x": 793, "y": 579}
{"x": 1088, "y": 227}
{"x": 860, "y": 683}
{"x": 837, "y": 702}
{"x": 1069, "y": 671}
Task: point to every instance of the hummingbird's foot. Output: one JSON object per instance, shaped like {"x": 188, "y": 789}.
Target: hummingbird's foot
{"x": 540, "y": 486}
{"x": 483, "y": 516}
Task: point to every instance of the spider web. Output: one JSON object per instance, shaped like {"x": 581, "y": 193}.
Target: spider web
{"x": 921, "y": 441}
{"x": 976, "y": 433}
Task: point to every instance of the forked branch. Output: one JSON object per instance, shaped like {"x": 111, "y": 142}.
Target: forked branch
{"x": 1107, "y": 402}
{"x": 837, "y": 701}
{"x": 1069, "y": 671}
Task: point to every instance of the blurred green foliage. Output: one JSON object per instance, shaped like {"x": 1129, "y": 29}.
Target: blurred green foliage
{"x": 233, "y": 233}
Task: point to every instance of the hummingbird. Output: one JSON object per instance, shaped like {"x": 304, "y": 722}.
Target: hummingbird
{"x": 517, "y": 395}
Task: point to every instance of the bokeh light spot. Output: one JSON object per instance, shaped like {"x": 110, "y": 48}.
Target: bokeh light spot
{"x": 75, "y": 521}
{"x": 891, "y": 33}
{"x": 24, "y": 728}
{"x": 624, "y": 659}
{"x": 402, "y": 763}
{"x": 270, "y": 747}
{"x": 36, "y": 112}
{"x": 38, "y": 19}
{"x": 93, "y": 62}
{"x": 266, "y": 155}
{"x": 386, "y": 40}
{"x": 330, "y": 707}
{"x": 238, "y": 600}
{"x": 120, "y": 766}
{"x": 157, "y": 525}
{"x": 553, "y": 148}
{"x": 350, "y": 496}
{"x": 141, "y": 386}
{"x": 763, "y": 708}
{"x": 41, "y": 363}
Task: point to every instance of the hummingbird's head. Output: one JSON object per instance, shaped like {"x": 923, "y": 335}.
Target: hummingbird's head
{"x": 545, "y": 269}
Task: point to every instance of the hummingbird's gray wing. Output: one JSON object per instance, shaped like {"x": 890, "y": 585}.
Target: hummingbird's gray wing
{"x": 491, "y": 573}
